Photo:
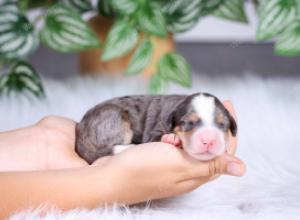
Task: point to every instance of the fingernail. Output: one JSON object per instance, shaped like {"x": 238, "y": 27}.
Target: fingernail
{"x": 235, "y": 169}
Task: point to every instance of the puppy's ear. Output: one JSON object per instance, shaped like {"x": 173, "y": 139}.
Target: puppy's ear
{"x": 170, "y": 119}
{"x": 182, "y": 109}
{"x": 233, "y": 126}
{"x": 167, "y": 121}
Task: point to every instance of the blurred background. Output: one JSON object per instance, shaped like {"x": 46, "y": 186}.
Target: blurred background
{"x": 213, "y": 47}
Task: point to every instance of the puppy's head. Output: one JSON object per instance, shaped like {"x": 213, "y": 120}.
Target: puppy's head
{"x": 203, "y": 125}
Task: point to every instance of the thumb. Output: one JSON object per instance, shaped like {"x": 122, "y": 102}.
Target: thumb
{"x": 225, "y": 164}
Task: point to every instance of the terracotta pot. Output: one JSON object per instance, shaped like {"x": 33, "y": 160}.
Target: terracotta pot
{"x": 90, "y": 62}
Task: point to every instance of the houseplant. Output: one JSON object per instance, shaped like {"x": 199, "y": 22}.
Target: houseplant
{"x": 60, "y": 26}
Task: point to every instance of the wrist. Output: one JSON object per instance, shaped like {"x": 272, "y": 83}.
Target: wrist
{"x": 111, "y": 185}
{"x": 93, "y": 186}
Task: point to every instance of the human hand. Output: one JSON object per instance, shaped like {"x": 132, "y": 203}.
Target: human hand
{"x": 159, "y": 170}
{"x": 140, "y": 173}
{"x": 59, "y": 143}
{"x": 48, "y": 144}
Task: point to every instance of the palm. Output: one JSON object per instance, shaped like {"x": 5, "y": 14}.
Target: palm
{"x": 60, "y": 144}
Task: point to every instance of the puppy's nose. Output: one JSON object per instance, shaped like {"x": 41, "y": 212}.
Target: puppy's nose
{"x": 208, "y": 139}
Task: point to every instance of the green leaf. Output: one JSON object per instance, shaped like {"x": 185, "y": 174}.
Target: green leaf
{"x": 120, "y": 40}
{"x": 151, "y": 19}
{"x": 288, "y": 43}
{"x": 181, "y": 15}
{"x": 125, "y": 7}
{"x": 232, "y": 10}
{"x": 65, "y": 31}
{"x": 30, "y": 4}
{"x": 209, "y": 6}
{"x": 17, "y": 35}
{"x": 9, "y": 6}
{"x": 173, "y": 67}
{"x": 22, "y": 78}
{"x": 274, "y": 17}
{"x": 81, "y": 5}
{"x": 105, "y": 8}
{"x": 140, "y": 58}
{"x": 157, "y": 84}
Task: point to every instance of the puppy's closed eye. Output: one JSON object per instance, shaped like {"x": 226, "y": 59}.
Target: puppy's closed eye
{"x": 188, "y": 125}
{"x": 222, "y": 125}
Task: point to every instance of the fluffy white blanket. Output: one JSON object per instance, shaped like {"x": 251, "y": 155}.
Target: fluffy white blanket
{"x": 269, "y": 124}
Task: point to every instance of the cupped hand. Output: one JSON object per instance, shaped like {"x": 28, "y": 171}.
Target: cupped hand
{"x": 144, "y": 172}
{"x": 59, "y": 143}
{"x": 158, "y": 170}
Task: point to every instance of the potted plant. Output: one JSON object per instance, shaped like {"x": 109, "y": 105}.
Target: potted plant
{"x": 131, "y": 31}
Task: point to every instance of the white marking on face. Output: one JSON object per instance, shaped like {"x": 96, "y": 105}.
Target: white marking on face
{"x": 205, "y": 107}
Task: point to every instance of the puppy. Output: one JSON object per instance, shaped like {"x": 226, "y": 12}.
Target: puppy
{"x": 200, "y": 122}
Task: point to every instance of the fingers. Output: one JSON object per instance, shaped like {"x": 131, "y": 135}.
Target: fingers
{"x": 225, "y": 164}
{"x": 232, "y": 145}
{"x": 228, "y": 105}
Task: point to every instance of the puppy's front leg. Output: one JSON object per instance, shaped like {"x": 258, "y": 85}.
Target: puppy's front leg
{"x": 171, "y": 139}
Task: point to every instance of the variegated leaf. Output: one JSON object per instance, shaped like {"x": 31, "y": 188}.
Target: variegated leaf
{"x": 17, "y": 35}
{"x": 80, "y": 5}
{"x": 232, "y": 10}
{"x": 105, "y": 8}
{"x": 181, "y": 15}
{"x": 209, "y": 6}
{"x": 140, "y": 58}
{"x": 274, "y": 17}
{"x": 26, "y": 5}
{"x": 151, "y": 19}
{"x": 157, "y": 84}
{"x": 288, "y": 42}
{"x": 65, "y": 31}
{"x": 21, "y": 78}
{"x": 9, "y": 6}
{"x": 125, "y": 7}
{"x": 173, "y": 67}
{"x": 120, "y": 40}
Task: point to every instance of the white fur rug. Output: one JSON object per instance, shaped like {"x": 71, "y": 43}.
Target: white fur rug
{"x": 269, "y": 143}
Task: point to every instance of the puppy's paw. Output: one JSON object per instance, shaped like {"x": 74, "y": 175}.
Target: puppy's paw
{"x": 171, "y": 139}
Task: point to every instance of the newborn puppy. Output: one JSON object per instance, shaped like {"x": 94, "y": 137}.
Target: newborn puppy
{"x": 199, "y": 121}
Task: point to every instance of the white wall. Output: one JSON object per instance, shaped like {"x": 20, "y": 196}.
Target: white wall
{"x": 212, "y": 29}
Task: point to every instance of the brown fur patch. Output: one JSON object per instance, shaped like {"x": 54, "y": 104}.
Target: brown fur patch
{"x": 220, "y": 118}
{"x": 128, "y": 133}
{"x": 184, "y": 136}
{"x": 193, "y": 117}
